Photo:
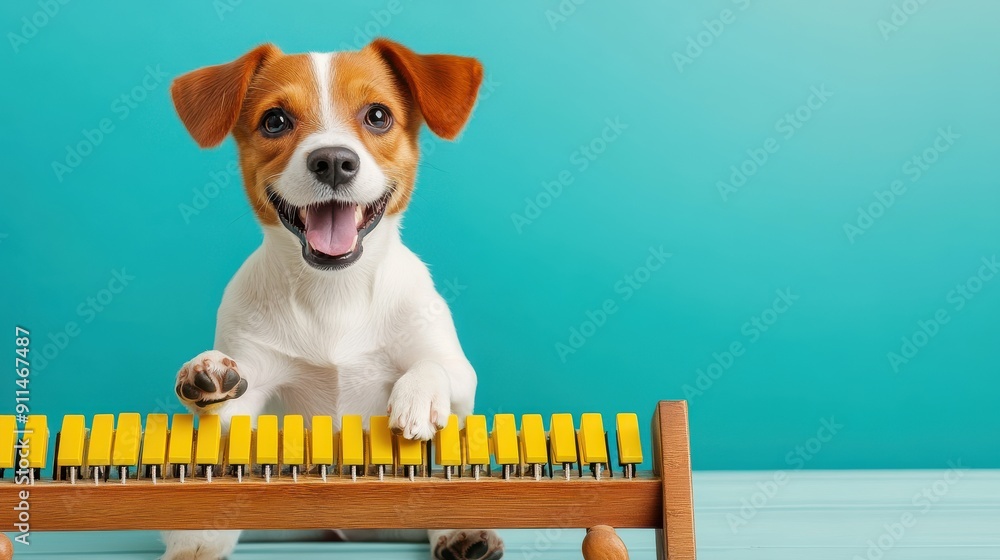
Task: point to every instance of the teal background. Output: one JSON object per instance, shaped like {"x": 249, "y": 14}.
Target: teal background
{"x": 520, "y": 294}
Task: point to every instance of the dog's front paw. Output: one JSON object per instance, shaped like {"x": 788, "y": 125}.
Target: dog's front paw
{"x": 419, "y": 405}
{"x": 468, "y": 544}
{"x": 210, "y": 378}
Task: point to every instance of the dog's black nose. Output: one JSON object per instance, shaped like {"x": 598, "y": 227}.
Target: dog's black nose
{"x": 334, "y": 166}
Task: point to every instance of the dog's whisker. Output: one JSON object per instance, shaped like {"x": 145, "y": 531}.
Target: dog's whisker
{"x": 432, "y": 166}
{"x": 241, "y": 216}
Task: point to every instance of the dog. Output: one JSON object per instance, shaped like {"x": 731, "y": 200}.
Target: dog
{"x": 332, "y": 314}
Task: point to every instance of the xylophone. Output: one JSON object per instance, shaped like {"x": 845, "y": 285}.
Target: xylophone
{"x": 117, "y": 474}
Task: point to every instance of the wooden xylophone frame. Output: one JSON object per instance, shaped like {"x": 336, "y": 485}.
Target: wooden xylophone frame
{"x": 661, "y": 500}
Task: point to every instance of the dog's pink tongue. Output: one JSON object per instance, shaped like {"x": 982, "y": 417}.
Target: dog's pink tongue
{"x": 330, "y": 228}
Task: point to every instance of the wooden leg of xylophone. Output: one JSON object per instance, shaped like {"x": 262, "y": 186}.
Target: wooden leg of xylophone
{"x": 602, "y": 543}
{"x": 6, "y": 548}
{"x": 672, "y": 464}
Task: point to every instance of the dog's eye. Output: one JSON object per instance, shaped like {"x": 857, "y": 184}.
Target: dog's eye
{"x": 377, "y": 118}
{"x": 275, "y": 122}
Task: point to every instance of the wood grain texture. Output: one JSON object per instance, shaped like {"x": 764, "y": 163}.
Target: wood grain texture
{"x": 602, "y": 543}
{"x": 432, "y": 503}
{"x": 672, "y": 464}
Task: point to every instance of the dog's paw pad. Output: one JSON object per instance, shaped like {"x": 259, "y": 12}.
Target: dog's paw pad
{"x": 210, "y": 378}
{"x": 469, "y": 544}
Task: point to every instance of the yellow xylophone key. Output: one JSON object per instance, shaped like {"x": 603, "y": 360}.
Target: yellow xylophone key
{"x": 593, "y": 444}
{"x": 209, "y": 442}
{"x": 352, "y": 444}
{"x": 72, "y": 437}
{"x": 321, "y": 443}
{"x": 562, "y": 440}
{"x": 267, "y": 444}
{"x": 154, "y": 444}
{"x": 448, "y": 447}
{"x": 379, "y": 444}
{"x": 411, "y": 454}
{"x": 477, "y": 443}
{"x": 240, "y": 438}
{"x": 533, "y": 448}
{"x": 180, "y": 443}
{"x": 36, "y": 438}
{"x": 293, "y": 444}
{"x": 8, "y": 439}
{"x": 102, "y": 435}
{"x": 505, "y": 446}
{"x": 629, "y": 446}
{"x": 128, "y": 434}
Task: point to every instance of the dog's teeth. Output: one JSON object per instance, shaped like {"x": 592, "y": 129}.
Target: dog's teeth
{"x": 359, "y": 214}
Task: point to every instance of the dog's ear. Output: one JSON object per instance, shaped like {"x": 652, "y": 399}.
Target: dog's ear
{"x": 443, "y": 86}
{"x": 209, "y": 99}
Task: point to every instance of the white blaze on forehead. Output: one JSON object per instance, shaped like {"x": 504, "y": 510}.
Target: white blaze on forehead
{"x": 296, "y": 183}
{"x": 323, "y": 71}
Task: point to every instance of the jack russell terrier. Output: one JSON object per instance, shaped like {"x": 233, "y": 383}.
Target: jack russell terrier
{"x": 329, "y": 316}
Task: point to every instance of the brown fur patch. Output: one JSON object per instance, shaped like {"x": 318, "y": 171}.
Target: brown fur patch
{"x": 359, "y": 80}
{"x": 286, "y": 82}
{"x": 209, "y": 99}
{"x": 444, "y": 87}
{"x": 438, "y": 89}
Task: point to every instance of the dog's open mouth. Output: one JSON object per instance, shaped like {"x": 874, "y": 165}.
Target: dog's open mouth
{"x": 331, "y": 232}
